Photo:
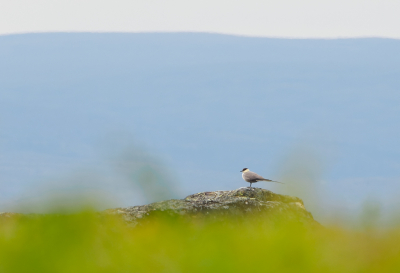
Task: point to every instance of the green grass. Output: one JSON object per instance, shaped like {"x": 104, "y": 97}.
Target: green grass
{"x": 85, "y": 242}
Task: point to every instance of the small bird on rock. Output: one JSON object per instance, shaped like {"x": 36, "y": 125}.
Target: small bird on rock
{"x": 252, "y": 177}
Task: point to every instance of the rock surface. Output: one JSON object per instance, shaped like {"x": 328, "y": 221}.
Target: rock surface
{"x": 237, "y": 203}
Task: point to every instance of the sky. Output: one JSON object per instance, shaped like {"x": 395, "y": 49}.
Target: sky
{"x": 274, "y": 18}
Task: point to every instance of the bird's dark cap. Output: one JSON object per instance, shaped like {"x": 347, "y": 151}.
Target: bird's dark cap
{"x": 243, "y": 169}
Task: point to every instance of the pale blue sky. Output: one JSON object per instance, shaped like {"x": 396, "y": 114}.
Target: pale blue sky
{"x": 275, "y": 18}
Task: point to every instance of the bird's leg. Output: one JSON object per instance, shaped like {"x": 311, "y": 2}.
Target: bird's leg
{"x": 250, "y": 184}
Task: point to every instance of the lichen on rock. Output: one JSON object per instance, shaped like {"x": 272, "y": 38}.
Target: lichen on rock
{"x": 237, "y": 203}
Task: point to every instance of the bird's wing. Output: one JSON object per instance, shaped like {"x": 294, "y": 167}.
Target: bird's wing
{"x": 253, "y": 175}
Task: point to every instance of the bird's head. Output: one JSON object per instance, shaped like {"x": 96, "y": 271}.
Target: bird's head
{"x": 244, "y": 170}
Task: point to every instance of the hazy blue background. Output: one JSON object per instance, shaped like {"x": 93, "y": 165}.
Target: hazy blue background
{"x": 74, "y": 105}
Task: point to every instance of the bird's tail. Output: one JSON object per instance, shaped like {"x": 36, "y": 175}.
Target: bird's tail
{"x": 267, "y": 180}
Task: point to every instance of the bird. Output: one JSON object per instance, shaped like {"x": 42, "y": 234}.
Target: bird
{"x": 252, "y": 177}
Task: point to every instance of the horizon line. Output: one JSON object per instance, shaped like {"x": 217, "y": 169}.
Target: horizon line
{"x": 202, "y": 32}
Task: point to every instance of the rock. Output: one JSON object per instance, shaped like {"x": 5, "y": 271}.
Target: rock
{"x": 238, "y": 203}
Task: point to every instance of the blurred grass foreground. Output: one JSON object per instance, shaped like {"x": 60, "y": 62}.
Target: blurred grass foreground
{"x": 89, "y": 241}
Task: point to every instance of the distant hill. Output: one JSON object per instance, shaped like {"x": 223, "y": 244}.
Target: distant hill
{"x": 208, "y": 105}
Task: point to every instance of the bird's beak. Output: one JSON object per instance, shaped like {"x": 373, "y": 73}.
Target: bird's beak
{"x": 241, "y": 171}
